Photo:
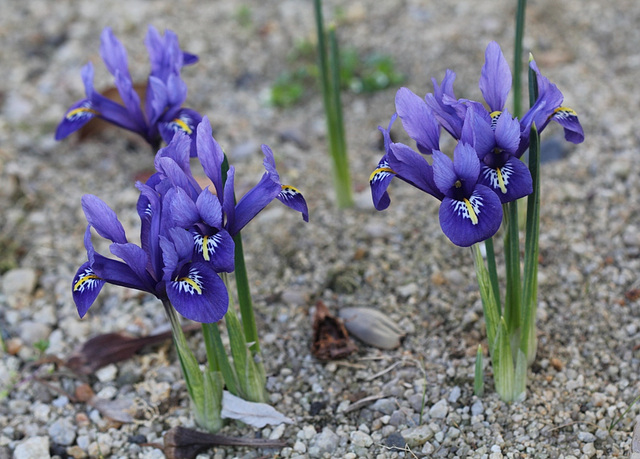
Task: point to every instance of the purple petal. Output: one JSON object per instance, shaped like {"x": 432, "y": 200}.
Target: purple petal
{"x": 568, "y": 119}
{"x": 379, "y": 181}
{"x": 77, "y": 116}
{"x": 85, "y": 288}
{"x": 198, "y": 294}
{"x": 210, "y": 155}
{"x": 229, "y": 204}
{"x": 113, "y": 53}
{"x": 473, "y": 220}
{"x": 510, "y": 182}
{"x": 209, "y": 208}
{"x": 131, "y": 101}
{"x": 253, "y": 202}
{"x": 270, "y": 164}
{"x": 507, "y": 133}
{"x": 444, "y": 174}
{"x": 218, "y": 250}
{"x": 418, "y": 120}
{"x": 444, "y": 105}
{"x": 467, "y": 166}
{"x": 119, "y": 273}
{"x": 183, "y": 243}
{"x": 136, "y": 258}
{"x": 103, "y": 219}
{"x": 156, "y": 99}
{"x": 183, "y": 211}
{"x": 413, "y": 168}
{"x": 292, "y": 198}
{"x": 495, "y": 80}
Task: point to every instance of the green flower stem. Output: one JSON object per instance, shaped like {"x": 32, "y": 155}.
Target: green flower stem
{"x": 217, "y": 356}
{"x": 205, "y": 390}
{"x": 244, "y": 298}
{"x": 330, "y": 84}
{"x": 478, "y": 378}
{"x": 517, "y": 58}
{"x": 513, "y": 300}
{"x": 493, "y": 271}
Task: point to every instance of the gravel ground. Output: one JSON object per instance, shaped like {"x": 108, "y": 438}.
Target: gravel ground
{"x": 586, "y": 373}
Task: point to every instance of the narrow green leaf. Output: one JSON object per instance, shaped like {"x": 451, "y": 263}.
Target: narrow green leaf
{"x": 216, "y": 351}
{"x": 513, "y": 299}
{"x": 493, "y": 271}
{"x": 213, "y": 387}
{"x": 517, "y": 58}
{"x": 478, "y": 377}
{"x": 502, "y": 361}
{"x": 520, "y": 383}
{"x": 489, "y": 304}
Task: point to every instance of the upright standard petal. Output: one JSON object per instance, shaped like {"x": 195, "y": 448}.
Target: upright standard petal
{"x": 103, "y": 219}
{"x": 210, "y": 155}
{"x": 85, "y": 288}
{"x": 444, "y": 105}
{"x": 495, "y": 79}
{"x": 198, "y": 293}
{"x": 418, "y": 120}
{"x": 113, "y": 53}
{"x": 473, "y": 219}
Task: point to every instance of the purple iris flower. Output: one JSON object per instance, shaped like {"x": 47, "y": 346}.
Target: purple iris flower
{"x": 495, "y": 84}
{"x": 163, "y": 114}
{"x": 163, "y": 266}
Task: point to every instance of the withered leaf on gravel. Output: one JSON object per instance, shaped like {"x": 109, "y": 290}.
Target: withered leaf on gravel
{"x": 330, "y": 337}
{"x": 107, "y": 348}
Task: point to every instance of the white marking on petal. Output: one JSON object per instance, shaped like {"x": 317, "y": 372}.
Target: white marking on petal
{"x": 191, "y": 284}
{"x": 466, "y": 207}
{"x": 289, "y": 193}
{"x": 498, "y": 182}
{"x": 87, "y": 280}
{"x": 381, "y": 172}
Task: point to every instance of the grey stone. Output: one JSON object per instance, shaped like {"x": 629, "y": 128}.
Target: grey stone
{"x": 18, "y": 284}
{"x": 397, "y": 418}
{"x": 477, "y": 408}
{"x": 417, "y": 436}
{"x": 361, "y": 439}
{"x": 439, "y": 410}
{"x": 454, "y": 395}
{"x": 586, "y": 437}
{"x": 324, "y": 442}
{"x": 33, "y": 448}
{"x": 385, "y": 405}
{"x": 62, "y": 432}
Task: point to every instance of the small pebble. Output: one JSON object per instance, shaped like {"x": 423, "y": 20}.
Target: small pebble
{"x": 32, "y": 448}
{"x": 439, "y": 410}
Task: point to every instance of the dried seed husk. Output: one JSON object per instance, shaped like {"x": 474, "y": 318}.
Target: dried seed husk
{"x": 372, "y": 327}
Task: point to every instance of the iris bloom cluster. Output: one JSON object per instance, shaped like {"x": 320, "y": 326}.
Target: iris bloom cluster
{"x": 163, "y": 114}
{"x": 186, "y": 231}
{"x": 486, "y": 170}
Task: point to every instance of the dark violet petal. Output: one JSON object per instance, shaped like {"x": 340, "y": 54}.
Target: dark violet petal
{"x": 444, "y": 175}
{"x": 292, "y": 198}
{"x": 229, "y": 204}
{"x": 379, "y": 181}
{"x": 510, "y": 182}
{"x": 77, "y": 116}
{"x": 413, "y": 168}
{"x": 176, "y": 90}
{"x": 218, "y": 250}
{"x": 103, "y": 219}
{"x": 210, "y": 155}
{"x": 444, "y": 106}
{"x": 183, "y": 243}
{"x": 85, "y": 288}
{"x": 470, "y": 221}
{"x": 568, "y": 119}
{"x": 253, "y": 202}
{"x": 177, "y": 177}
{"x": 466, "y": 166}
{"x": 178, "y": 149}
{"x": 270, "y": 164}
{"x": 198, "y": 293}
{"x": 113, "y": 53}
{"x": 118, "y": 273}
{"x": 507, "y": 133}
{"x": 495, "y": 80}
{"x": 170, "y": 258}
{"x": 131, "y": 101}
{"x": 418, "y": 120}
{"x": 183, "y": 211}
{"x": 156, "y": 99}
{"x": 189, "y": 59}
{"x": 136, "y": 258}
{"x": 209, "y": 208}
{"x": 477, "y": 132}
